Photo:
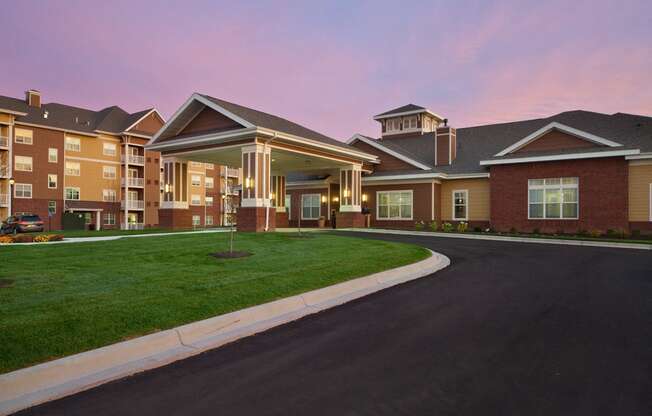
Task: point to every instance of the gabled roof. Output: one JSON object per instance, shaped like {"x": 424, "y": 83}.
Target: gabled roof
{"x": 406, "y": 110}
{"x": 113, "y": 120}
{"x": 400, "y": 154}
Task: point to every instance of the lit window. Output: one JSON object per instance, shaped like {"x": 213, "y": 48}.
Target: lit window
{"x": 108, "y": 195}
{"x": 73, "y": 144}
{"x": 72, "y": 194}
{"x": 109, "y": 149}
{"x": 196, "y": 220}
{"x": 394, "y": 205}
{"x": 52, "y": 181}
{"x": 53, "y": 155}
{"x": 310, "y": 206}
{"x": 209, "y": 182}
{"x": 108, "y": 172}
{"x": 209, "y": 201}
{"x": 23, "y": 136}
{"x": 23, "y": 163}
{"x": 553, "y": 198}
{"x": 195, "y": 180}
{"x": 72, "y": 168}
{"x": 195, "y": 200}
{"x": 460, "y": 204}
{"x": 23, "y": 190}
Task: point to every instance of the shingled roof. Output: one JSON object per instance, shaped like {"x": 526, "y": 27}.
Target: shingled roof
{"x": 112, "y": 120}
{"x": 484, "y": 142}
{"x": 402, "y": 109}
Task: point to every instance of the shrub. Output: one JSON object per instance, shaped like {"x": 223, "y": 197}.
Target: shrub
{"x": 44, "y": 238}
{"x": 462, "y": 227}
{"x": 559, "y": 232}
{"x": 6, "y": 239}
{"x": 595, "y": 233}
{"x": 477, "y": 229}
{"x": 433, "y": 226}
{"x": 636, "y": 233}
{"x": 536, "y": 231}
{"x": 513, "y": 231}
{"x": 611, "y": 233}
{"x": 620, "y": 233}
{"x": 582, "y": 233}
{"x": 419, "y": 225}
{"x": 23, "y": 238}
{"x": 447, "y": 227}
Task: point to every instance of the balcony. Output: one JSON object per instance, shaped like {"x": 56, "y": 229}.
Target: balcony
{"x": 229, "y": 190}
{"x": 230, "y": 172}
{"x": 134, "y": 182}
{"x": 135, "y": 226}
{"x": 4, "y": 171}
{"x": 133, "y": 159}
{"x": 4, "y": 141}
{"x": 135, "y": 204}
{"x": 4, "y": 200}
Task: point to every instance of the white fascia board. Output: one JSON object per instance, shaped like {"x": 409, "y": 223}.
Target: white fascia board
{"x": 561, "y": 127}
{"x": 435, "y": 175}
{"x": 12, "y": 112}
{"x": 391, "y": 152}
{"x": 203, "y": 139}
{"x": 153, "y": 110}
{"x": 569, "y": 156}
{"x": 646, "y": 155}
{"x": 80, "y": 133}
{"x": 409, "y": 113}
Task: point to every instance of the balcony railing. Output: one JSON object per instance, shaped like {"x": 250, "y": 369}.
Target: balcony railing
{"x": 133, "y": 204}
{"x": 4, "y": 200}
{"x": 229, "y": 190}
{"x": 135, "y": 226}
{"x": 137, "y": 182}
{"x": 4, "y": 141}
{"x": 134, "y": 159}
{"x": 4, "y": 171}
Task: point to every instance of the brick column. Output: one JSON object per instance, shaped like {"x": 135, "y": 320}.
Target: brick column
{"x": 174, "y": 212}
{"x": 350, "y": 214}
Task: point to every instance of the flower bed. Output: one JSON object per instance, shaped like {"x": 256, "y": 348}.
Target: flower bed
{"x": 28, "y": 238}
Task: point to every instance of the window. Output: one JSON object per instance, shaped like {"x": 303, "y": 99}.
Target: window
{"x": 209, "y": 182}
{"x": 52, "y": 181}
{"x": 52, "y": 207}
{"x": 288, "y": 202}
{"x": 108, "y": 195}
{"x": 394, "y": 124}
{"x": 394, "y": 205}
{"x": 410, "y": 123}
{"x": 426, "y": 124}
{"x": 210, "y": 166}
{"x": 209, "y": 201}
{"x": 23, "y": 136}
{"x": 109, "y": 218}
{"x": 460, "y": 204}
{"x": 553, "y": 198}
{"x": 196, "y": 164}
{"x": 72, "y": 168}
{"x": 23, "y": 163}
{"x": 195, "y": 200}
{"x": 196, "y": 220}
{"x": 109, "y": 149}
{"x": 53, "y": 155}
{"x": 108, "y": 172}
{"x": 195, "y": 180}
{"x": 23, "y": 190}
{"x": 209, "y": 220}
{"x": 73, "y": 144}
{"x": 72, "y": 194}
{"x": 310, "y": 206}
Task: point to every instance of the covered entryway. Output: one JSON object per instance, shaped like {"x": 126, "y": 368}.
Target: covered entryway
{"x": 267, "y": 148}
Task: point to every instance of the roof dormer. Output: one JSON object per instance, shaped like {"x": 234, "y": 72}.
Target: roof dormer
{"x": 408, "y": 120}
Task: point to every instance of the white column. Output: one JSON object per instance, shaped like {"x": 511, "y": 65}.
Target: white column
{"x": 10, "y": 167}
{"x": 126, "y": 173}
{"x": 350, "y": 189}
{"x": 98, "y": 222}
{"x": 256, "y": 164}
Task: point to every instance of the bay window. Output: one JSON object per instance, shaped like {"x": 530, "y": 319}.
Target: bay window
{"x": 394, "y": 205}
{"x": 553, "y": 198}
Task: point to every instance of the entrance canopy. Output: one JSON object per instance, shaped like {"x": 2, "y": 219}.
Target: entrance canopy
{"x": 266, "y": 147}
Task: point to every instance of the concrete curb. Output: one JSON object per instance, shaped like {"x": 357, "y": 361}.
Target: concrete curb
{"x": 30, "y": 386}
{"x": 533, "y": 240}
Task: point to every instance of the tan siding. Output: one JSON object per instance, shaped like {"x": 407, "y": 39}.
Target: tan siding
{"x": 6, "y": 118}
{"x": 91, "y": 181}
{"x": 478, "y": 198}
{"x": 640, "y": 178}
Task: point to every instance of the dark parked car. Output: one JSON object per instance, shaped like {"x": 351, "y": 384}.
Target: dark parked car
{"x": 25, "y": 223}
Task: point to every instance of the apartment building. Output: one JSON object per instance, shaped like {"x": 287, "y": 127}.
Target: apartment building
{"x": 59, "y": 161}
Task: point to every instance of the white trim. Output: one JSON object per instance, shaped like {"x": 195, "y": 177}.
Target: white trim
{"x": 568, "y": 156}
{"x": 31, "y": 191}
{"x": 436, "y": 175}
{"x": 12, "y": 112}
{"x": 65, "y": 191}
{"x": 646, "y": 155}
{"x": 43, "y": 126}
{"x": 561, "y": 186}
{"x": 407, "y": 113}
{"x": 86, "y": 159}
{"x": 201, "y": 139}
{"x": 561, "y": 127}
{"x": 153, "y": 110}
{"x": 390, "y": 152}
{"x": 378, "y": 218}
{"x": 466, "y": 205}
{"x": 311, "y": 207}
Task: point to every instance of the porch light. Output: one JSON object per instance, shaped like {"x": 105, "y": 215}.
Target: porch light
{"x": 346, "y": 193}
{"x": 12, "y": 181}
{"x": 271, "y": 195}
{"x": 336, "y": 199}
{"x": 364, "y": 197}
{"x": 324, "y": 199}
{"x": 167, "y": 188}
{"x": 247, "y": 182}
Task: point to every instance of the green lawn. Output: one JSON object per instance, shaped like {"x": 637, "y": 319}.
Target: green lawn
{"x": 104, "y": 233}
{"x": 69, "y": 298}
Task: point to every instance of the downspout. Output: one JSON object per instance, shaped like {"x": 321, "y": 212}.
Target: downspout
{"x": 267, "y": 182}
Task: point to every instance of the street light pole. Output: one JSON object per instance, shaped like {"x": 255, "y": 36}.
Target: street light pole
{"x": 12, "y": 181}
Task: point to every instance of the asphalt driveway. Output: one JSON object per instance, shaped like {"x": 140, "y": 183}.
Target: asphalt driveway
{"x": 507, "y": 329}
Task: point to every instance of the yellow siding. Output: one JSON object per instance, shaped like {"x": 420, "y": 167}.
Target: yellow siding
{"x": 93, "y": 148}
{"x": 197, "y": 190}
{"x": 478, "y": 198}
{"x": 91, "y": 181}
{"x": 6, "y": 118}
{"x": 640, "y": 178}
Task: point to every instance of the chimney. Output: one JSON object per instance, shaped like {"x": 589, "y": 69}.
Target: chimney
{"x": 445, "y": 145}
{"x": 33, "y": 98}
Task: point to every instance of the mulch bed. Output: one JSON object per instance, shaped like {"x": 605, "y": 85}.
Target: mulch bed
{"x": 231, "y": 255}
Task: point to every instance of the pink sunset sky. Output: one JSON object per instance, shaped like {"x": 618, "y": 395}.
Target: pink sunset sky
{"x": 333, "y": 65}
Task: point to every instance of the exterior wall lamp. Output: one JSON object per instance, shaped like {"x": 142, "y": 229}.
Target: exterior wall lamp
{"x": 336, "y": 199}
{"x": 346, "y": 193}
{"x": 324, "y": 199}
{"x": 364, "y": 197}
{"x": 247, "y": 182}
